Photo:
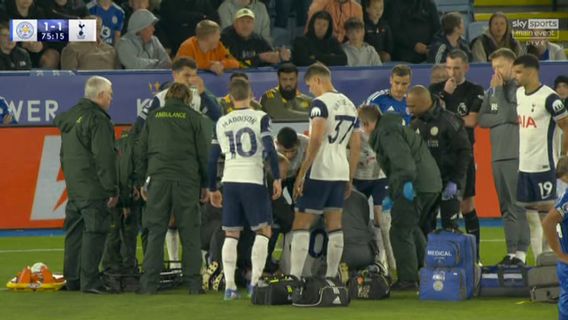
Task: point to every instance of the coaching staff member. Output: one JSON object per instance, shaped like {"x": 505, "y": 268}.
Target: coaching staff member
{"x": 88, "y": 161}
{"x": 447, "y": 140}
{"x": 171, "y": 161}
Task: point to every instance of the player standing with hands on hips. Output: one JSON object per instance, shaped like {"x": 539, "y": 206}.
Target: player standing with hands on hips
{"x": 325, "y": 176}
{"x": 244, "y": 137}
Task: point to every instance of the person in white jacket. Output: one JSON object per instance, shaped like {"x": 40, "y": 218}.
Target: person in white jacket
{"x": 139, "y": 48}
{"x": 229, "y": 8}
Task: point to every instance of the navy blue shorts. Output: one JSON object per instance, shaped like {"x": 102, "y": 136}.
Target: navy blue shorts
{"x": 375, "y": 188}
{"x": 321, "y": 196}
{"x": 536, "y": 188}
{"x": 562, "y": 271}
{"x": 246, "y": 204}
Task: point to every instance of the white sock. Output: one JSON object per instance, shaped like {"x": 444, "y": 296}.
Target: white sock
{"x": 535, "y": 227}
{"x": 512, "y": 255}
{"x": 521, "y": 256}
{"x": 229, "y": 257}
{"x": 258, "y": 257}
{"x": 382, "y": 256}
{"x": 334, "y": 252}
{"x": 172, "y": 243}
{"x": 385, "y": 231}
{"x": 299, "y": 252}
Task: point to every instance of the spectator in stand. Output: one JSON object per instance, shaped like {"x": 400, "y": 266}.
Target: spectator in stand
{"x": 64, "y": 9}
{"x": 497, "y": 36}
{"x": 451, "y": 37}
{"x": 546, "y": 50}
{"x": 340, "y": 11}
{"x": 359, "y": 53}
{"x": 227, "y": 103}
{"x": 283, "y": 9}
{"x": 377, "y": 31}
{"x": 319, "y": 44}
{"x": 206, "y": 49}
{"x": 113, "y": 19}
{"x": 26, "y": 9}
{"x": 180, "y": 18}
{"x": 132, "y": 5}
{"x": 561, "y": 87}
{"x": 438, "y": 74}
{"x": 6, "y": 116}
{"x": 49, "y": 59}
{"x": 97, "y": 55}
{"x": 249, "y": 47}
{"x": 414, "y": 24}
{"x": 139, "y": 48}
{"x": 12, "y": 57}
{"x": 229, "y": 8}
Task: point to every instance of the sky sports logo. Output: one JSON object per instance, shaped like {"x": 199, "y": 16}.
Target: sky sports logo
{"x": 536, "y": 29}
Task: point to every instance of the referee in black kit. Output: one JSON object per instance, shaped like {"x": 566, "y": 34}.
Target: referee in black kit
{"x": 463, "y": 98}
{"x": 446, "y": 137}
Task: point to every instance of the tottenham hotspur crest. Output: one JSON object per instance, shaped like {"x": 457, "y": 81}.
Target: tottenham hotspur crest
{"x": 462, "y": 109}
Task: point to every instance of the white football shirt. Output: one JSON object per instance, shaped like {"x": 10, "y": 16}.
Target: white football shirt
{"x": 330, "y": 163}
{"x": 539, "y": 147}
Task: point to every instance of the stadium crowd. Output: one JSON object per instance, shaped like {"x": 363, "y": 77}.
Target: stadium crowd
{"x": 145, "y": 34}
{"x": 164, "y": 182}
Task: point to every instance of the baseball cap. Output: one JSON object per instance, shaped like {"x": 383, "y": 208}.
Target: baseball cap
{"x": 244, "y": 12}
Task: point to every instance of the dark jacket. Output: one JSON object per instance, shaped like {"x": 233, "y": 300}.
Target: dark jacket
{"x": 88, "y": 156}
{"x": 440, "y": 47}
{"x": 180, "y": 17}
{"x": 19, "y": 59}
{"x": 379, "y": 35}
{"x": 447, "y": 140}
{"x": 411, "y": 21}
{"x": 125, "y": 169}
{"x": 467, "y": 98}
{"x": 173, "y": 145}
{"x": 245, "y": 50}
{"x": 404, "y": 156}
{"x": 309, "y": 49}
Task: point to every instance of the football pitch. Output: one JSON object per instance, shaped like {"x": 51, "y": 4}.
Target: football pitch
{"x": 17, "y": 252}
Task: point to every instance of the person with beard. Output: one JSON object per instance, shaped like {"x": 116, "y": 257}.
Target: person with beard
{"x": 414, "y": 24}
{"x": 498, "y": 35}
{"x": 247, "y": 46}
{"x": 286, "y": 102}
{"x": 319, "y": 44}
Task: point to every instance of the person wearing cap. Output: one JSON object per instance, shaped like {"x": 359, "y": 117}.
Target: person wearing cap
{"x": 139, "y": 48}
{"x": 229, "y": 8}
{"x": 247, "y": 46}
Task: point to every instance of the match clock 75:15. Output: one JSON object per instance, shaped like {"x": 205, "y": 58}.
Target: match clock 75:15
{"x": 53, "y": 30}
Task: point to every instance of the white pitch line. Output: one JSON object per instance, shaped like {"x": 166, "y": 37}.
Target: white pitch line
{"x": 32, "y": 250}
{"x": 61, "y": 249}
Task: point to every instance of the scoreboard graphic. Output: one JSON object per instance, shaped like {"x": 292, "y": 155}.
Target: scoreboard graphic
{"x": 45, "y": 30}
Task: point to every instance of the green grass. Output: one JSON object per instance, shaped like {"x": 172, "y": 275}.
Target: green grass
{"x": 177, "y": 304}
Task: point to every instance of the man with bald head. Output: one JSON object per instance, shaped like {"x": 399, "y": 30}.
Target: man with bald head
{"x": 445, "y": 135}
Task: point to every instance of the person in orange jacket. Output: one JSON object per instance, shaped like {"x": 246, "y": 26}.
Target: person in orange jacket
{"x": 207, "y": 50}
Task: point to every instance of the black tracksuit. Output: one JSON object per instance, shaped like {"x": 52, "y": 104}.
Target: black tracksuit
{"x": 447, "y": 140}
